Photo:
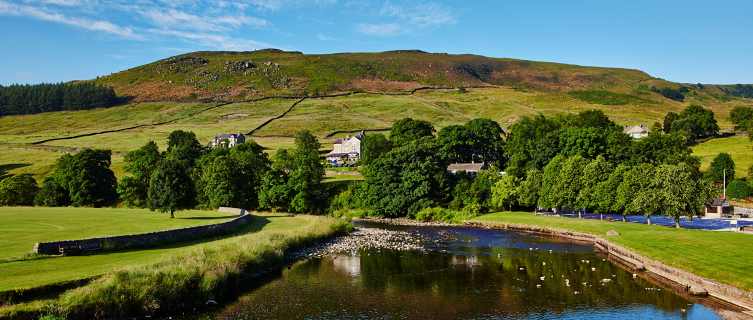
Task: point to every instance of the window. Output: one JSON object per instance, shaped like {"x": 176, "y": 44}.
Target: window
{"x": 354, "y": 148}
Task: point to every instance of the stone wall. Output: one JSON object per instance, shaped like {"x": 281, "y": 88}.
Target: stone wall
{"x": 240, "y": 212}
{"x": 686, "y": 279}
{"x": 142, "y": 239}
{"x": 741, "y": 210}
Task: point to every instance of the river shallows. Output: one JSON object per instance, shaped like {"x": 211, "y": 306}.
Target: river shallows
{"x": 466, "y": 273}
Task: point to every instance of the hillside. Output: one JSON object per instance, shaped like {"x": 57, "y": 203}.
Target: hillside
{"x": 360, "y": 91}
{"x": 233, "y": 76}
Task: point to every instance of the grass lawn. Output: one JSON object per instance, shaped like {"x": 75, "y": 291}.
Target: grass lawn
{"x": 737, "y": 147}
{"x": 721, "y": 256}
{"x": 22, "y": 227}
{"x": 32, "y": 273}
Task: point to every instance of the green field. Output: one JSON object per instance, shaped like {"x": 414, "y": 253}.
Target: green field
{"x": 739, "y": 148}
{"x": 22, "y": 227}
{"x": 721, "y": 256}
{"x": 19, "y": 236}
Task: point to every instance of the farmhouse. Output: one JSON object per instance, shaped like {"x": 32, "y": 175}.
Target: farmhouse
{"x": 349, "y": 148}
{"x": 469, "y": 168}
{"x": 227, "y": 140}
{"x": 638, "y": 131}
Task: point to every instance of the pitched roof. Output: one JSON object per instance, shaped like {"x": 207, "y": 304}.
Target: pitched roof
{"x": 227, "y": 135}
{"x": 636, "y": 129}
{"x": 467, "y": 166}
{"x": 720, "y": 202}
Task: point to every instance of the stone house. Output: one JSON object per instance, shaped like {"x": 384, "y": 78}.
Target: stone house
{"x": 638, "y": 131}
{"x": 348, "y": 148}
{"x": 469, "y": 168}
{"x": 719, "y": 208}
{"x": 231, "y": 139}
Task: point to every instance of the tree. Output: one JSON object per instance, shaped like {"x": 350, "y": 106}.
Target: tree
{"x": 595, "y": 172}
{"x": 455, "y": 143}
{"x": 522, "y": 141}
{"x": 407, "y": 179}
{"x": 306, "y": 141}
{"x": 740, "y": 116}
{"x": 606, "y": 191}
{"x": 722, "y": 163}
{"x": 230, "y": 177}
{"x": 547, "y": 195}
{"x": 301, "y": 172}
{"x": 703, "y": 119}
{"x": 660, "y": 148}
{"x": 675, "y": 193}
{"x": 633, "y": 183}
{"x": 530, "y": 189}
{"x": 18, "y": 190}
{"x": 584, "y": 142}
{"x": 668, "y": 119}
{"x": 656, "y": 127}
{"x": 569, "y": 182}
{"x": 672, "y": 94}
{"x": 86, "y": 177}
{"x": 406, "y": 130}
{"x": 505, "y": 191}
{"x": 374, "y": 146}
{"x": 51, "y": 194}
{"x": 487, "y": 141}
{"x": 140, "y": 164}
{"x": 738, "y": 189}
{"x": 183, "y": 146}
{"x": 171, "y": 188}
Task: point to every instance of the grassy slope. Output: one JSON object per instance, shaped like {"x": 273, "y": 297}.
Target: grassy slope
{"x": 25, "y": 274}
{"x": 22, "y": 227}
{"x": 737, "y": 147}
{"x": 721, "y": 256}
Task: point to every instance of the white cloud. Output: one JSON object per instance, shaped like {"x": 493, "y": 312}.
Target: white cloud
{"x": 326, "y": 38}
{"x": 214, "y": 40}
{"x": 408, "y": 17}
{"x": 59, "y": 2}
{"x": 43, "y": 14}
{"x": 384, "y": 29}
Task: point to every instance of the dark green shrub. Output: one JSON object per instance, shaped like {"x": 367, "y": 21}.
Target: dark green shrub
{"x": 738, "y": 189}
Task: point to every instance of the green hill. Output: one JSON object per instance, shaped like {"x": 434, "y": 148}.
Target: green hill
{"x": 261, "y": 93}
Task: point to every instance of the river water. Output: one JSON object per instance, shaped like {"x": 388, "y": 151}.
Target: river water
{"x": 467, "y": 273}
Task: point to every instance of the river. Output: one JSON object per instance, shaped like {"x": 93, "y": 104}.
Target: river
{"x": 464, "y": 273}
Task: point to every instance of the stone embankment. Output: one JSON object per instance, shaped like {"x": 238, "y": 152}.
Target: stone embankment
{"x": 693, "y": 283}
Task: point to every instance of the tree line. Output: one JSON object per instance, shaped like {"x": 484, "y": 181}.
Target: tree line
{"x": 32, "y": 99}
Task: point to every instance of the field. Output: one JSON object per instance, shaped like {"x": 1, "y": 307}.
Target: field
{"x": 139, "y": 281}
{"x": 739, "y": 148}
{"x": 328, "y": 118}
{"x": 22, "y": 227}
{"x": 721, "y": 256}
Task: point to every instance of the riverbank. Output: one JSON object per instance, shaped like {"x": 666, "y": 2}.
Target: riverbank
{"x": 207, "y": 271}
{"x": 718, "y": 262}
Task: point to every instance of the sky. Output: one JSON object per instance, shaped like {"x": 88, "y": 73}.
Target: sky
{"x": 682, "y": 41}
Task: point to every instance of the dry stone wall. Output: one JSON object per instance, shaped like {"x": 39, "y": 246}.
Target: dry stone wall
{"x": 142, "y": 239}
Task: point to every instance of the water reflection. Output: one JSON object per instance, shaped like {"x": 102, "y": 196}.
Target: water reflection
{"x": 476, "y": 274}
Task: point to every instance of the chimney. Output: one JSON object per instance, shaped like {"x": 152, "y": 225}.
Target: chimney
{"x": 363, "y": 132}
{"x": 347, "y": 137}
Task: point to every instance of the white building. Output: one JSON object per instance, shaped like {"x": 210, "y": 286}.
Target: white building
{"x": 231, "y": 139}
{"x": 349, "y": 148}
{"x": 637, "y": 132}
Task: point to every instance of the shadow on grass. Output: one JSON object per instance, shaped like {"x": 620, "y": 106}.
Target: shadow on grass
{"x": 11, "y": 166}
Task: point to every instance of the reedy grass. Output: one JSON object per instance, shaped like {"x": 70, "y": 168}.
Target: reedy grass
{"x": 209, "y": 271}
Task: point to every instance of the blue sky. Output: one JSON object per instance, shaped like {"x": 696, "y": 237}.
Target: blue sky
{"x": 683, "y": 41}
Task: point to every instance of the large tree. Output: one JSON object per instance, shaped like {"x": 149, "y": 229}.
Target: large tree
{"x": 140, "y": 163}
{"x": 183, "y": 146}
{"x": 722, "y": 165}
{"x": 673, "y": 191}
{"x": 407, "y": 179}
{"x": 506, "y": 191}
{"x": 741, "y": 116}
{"x": 668, "y": 120}
{"x": 551, "y": 173}
{"x": 530, "y": 189}
{"x": 584, "y": 142}
{"x": 633, "y": 183}
{"x": 406, "y": 130}
{"x": 86, "y": 177}
{"x": 374, "y": 146}
{"x": 230, "y": 177}
{"x": 569, "y": 182}
{"x": 171, "y": 188}
{"x": 595, "y": 172}
{"x": 18, "y": 190}
{"x": 606, "y": 190}
{"x": 703, "y": 119}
